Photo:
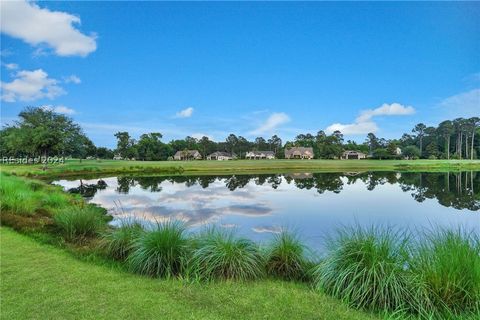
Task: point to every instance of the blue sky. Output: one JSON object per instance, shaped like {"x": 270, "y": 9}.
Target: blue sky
{"x": 245, "y": 68}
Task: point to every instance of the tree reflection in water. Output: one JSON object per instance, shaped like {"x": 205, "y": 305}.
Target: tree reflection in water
{"x": 459, "y": 190}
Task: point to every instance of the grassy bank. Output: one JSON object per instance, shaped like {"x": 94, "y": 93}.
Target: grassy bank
{"x": 75, "y": 167}
{"x": 42, "y": 281}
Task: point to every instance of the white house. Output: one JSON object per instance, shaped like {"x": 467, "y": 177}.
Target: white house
{"x": 187, "y": 155}
{"x": 220, "y": 155}
{"x": 260, "y": 155}
{"x": 352, "y": 154}
{"x": 299, "y": 153}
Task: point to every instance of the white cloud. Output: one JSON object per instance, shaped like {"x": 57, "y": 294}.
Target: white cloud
{"x": 186, "y": 113}
{"x": 37, "y": 26}
{"x": 30, "y": 86}
{"x": 272, "y": 122}
{"x": 72, "y": 79}
{"x": 267, "y": 229}
{"x": 353, "y": 128}
{"x": 364, "y": 124}
{"x": 59, "y": 109}
{"x": 465, "y": 104}
{"x": 394, "y": 109}
{"x": 11, "y": 66}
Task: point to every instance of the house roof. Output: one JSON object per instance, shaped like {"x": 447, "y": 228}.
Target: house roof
{"x": 300, "y": 150}
{"x": 262, "y": 152}
{"x": 180, "y": 153}
{"x": 352, "y": 152}
{"x": 221, "y": 153}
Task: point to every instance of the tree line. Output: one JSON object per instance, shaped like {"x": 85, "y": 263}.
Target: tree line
{"x": 42, "y": 132}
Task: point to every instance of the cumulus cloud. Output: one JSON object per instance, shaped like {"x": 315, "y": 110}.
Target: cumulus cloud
{"x": 364, "y": 122}
{"x": 465, "y": 104}
{"x": 30, "y": 86}
{"x": 36, "y": 26}
{"x": 59, "y": 109}
{"x": 394, "y": 109}
{"x": 353, "y": 128}
{"x": 185, "y": 113}
{"x": 272, "y": 123}
{"x": 72, "y": 79}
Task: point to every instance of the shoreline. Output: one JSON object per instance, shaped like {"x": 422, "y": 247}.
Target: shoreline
{"x": 74, "y": 168}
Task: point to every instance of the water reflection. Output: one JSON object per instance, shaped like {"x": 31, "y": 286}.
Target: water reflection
{"x": 314, "y": 204}
{"x": 457, "y": 190}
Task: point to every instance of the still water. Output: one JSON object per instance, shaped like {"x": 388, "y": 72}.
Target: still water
{"x": 312, "y": 204}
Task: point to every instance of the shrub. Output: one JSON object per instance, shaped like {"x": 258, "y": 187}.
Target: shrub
{"x": 161, "y": 252}
{"x": 286, "y": 257}
{"x": 219, "y": 254}
{"x": 448, "y": 261}
{"x": 119, "y": 241}
{"x": 79, "y": 223}
{"x": 366, "y": 267}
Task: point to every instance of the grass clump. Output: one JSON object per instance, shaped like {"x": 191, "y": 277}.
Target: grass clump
{"x": 16, "y": 196}
{"x": 448, "y": 262}
{"x": 161, "y": 252}
{"x": 77, "y": 224}
{"x": 219, "y": 254}
{"x": 118, "y": 242}
{"x": 286, "y": 257}
{"x": 367, "y": 268}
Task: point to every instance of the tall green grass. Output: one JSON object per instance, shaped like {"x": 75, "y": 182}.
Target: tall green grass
{"x": 16, "y": 196}
{"x": 286, "y": 257}
{"x": 448, "y": 263}
{"x": 118, "y": 242}
{"x": 77, "y": 224}
{"x": 161, "y": 252}
{"x": 220, "y": 254}
{"x": 23, "y": 197}
{"x": 368, "y": 268}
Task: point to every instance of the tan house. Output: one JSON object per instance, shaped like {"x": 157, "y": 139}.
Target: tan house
{"x": 352, "y": 154}
{"x": 187, "y": 155}
{"x": 220, "y": 155}
{"x": 260, "y": 155}
{"x": 299, "y": 153}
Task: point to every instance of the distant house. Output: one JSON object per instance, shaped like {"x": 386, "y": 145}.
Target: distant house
{"x": 260, "y": 155}
{"x": 398, "y": 151}
{"x": 187, "y": 155}
{"x": 220, "y": 155}
{"x": 117, "y": 157}
{"x": 299, "y": 153}
{"x": 352, "y": 154}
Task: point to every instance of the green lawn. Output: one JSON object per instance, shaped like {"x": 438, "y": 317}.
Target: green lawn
{"x": 43, "y": 282}
{"x": 75, "y": 167}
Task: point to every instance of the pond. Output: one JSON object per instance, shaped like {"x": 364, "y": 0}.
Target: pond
{"x": 313, "y": 204}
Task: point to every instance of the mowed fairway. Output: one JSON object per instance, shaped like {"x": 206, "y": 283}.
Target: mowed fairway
{"x": 42, "y": 282}
{"x": 76, "y": 167}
